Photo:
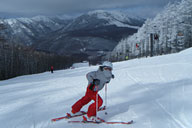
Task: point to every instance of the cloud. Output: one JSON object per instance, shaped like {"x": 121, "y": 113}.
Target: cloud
{"x": 77, "y": 6}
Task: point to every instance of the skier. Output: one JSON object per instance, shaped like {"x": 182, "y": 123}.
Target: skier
{"x": 51, "y": 69}
{"x": 96, "y": 81}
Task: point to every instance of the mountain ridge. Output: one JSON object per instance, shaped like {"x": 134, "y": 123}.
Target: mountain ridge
{"x": 64, "y": 35}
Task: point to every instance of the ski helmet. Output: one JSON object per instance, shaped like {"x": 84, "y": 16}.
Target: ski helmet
{"x": 107, "y": 64}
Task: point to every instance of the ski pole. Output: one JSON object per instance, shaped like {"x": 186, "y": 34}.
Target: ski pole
{"x": 96, "y": 100}
{"x": 105, "y": 99}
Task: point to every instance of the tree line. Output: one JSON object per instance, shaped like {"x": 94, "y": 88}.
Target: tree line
{"x": 16, "y": 60}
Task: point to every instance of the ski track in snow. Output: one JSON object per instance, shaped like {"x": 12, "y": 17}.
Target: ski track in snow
{"x": 137, "y": 81}
{"x": 161, "y": 77}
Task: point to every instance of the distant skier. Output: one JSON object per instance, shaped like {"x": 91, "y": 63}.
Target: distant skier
{"x": 96, "y": 81}
{"x": 51, "y": 69}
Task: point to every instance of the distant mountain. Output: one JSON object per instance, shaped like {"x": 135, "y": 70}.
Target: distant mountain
{"x": 28, "y": 30}
{"x": 92, "y": 33}
{"x": 102, "y": 18}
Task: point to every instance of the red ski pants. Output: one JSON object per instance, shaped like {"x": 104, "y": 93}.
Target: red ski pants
{"x": 89, "y": 95}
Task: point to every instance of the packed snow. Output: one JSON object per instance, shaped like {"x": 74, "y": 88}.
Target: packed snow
{"x": 153, "y": 92}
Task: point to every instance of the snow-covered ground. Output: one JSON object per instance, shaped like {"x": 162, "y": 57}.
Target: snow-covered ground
{"x": 154, "y": 92}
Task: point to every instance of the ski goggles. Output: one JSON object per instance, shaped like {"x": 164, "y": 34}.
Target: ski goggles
{"x": 107, "y": 68}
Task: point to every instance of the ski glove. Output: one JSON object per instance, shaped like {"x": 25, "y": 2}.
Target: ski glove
{"x": 113, "y": 76}
{"x": 95, "y": 82}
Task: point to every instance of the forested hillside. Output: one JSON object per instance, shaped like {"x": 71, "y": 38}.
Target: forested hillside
{"x": 169, "y": 32}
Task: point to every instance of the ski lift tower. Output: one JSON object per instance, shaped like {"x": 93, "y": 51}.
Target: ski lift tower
{"x": 152, "y": 35}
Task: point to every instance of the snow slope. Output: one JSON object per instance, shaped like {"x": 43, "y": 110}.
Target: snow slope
{"x": 155, "y": 92}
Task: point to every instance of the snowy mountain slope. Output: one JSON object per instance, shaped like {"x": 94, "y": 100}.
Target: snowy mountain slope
{"x": 28, "y": 30}
{"x": 101, "y": 18}
{"x": 155, "y": 92}
{"x": 93, "y": 31}
{"x": 118, "y": 18}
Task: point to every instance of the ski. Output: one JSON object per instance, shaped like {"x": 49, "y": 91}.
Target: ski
{"x": 68, "y": 117}
{"x": 106, "y": 122}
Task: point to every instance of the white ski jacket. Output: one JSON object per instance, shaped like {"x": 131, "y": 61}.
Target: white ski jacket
{"x": 103, "y": 75}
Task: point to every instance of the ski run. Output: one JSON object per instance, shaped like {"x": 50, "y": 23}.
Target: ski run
{"x": 153, "y": 92}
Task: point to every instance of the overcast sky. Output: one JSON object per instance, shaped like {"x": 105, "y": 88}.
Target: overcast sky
{"x": 15, "y": 8}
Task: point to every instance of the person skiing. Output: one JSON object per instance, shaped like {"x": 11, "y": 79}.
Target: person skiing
{"x": 51, "y": 69}
{"x": 96, "y": 81}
